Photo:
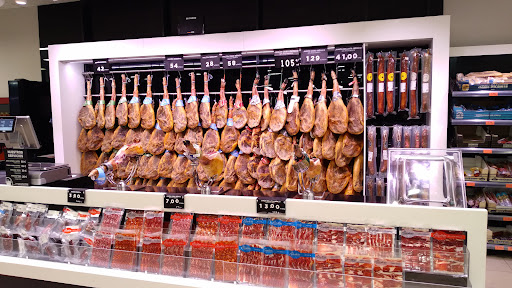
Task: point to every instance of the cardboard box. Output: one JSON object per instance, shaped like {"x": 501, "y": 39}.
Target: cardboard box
{"x": 499, "y": 135}
{"x": 500, "y": 114}
{"x": 473, "y": 166}
{"x": 472, "y": 136}
{"x": 461, "y": 113}
{"x": 493, "y": 172}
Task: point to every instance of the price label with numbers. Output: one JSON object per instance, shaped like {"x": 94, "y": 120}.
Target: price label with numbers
{"x": 348, "y": 53}
{"x": 76, "y": 196}
{"x": 174, "y": 201}
{"x": 232, "y": 61}
{"x": 287, "y": 58}
{"x": 210, "y": 61}
{"x": 174, "y": 63}
{"x": 312, "y": 56}
{"x": 271, "y": 205}
{"x": 101, "y": 66}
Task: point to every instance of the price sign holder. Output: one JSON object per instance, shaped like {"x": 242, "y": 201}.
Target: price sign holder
{"x": 76, "y": 195}
{"x": 348, "y": 53}
{"x": 174, "y": 63}
{"x": 101, "y": 66}
{"x": 16, "y": 167}
{"x": 174, "y": 200}
{"x": 271, "y": 205}
{"x": 232, "y": 60}
{"x": 210, "y": 61}
{"x": 313, "y": 56}
{"x": 287, "y": 58}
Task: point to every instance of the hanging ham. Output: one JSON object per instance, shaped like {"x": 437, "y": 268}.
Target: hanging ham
{"x": 204, "y": 107}
{"x": 239, "y": 112}
{"x": 106, "y": 145}
{"x": 110, "y": 111}
{"x": 99, "y": 109}
{"x": 306, "y": 143}
{"x": 144, "y": 139}
{"x": 317, "y": 148}
{"x": 178, "y": 112}
{"x": 134, "y": 136}
{"x": 267, "y": 140}
{"x": 357, "y": 174}
{"x": 321, "y": 116}
{"x": 337, "y": 178}
{"x": 88, "y": 162}
{"x": 156, "y": 141}
{"x": 284, "y": 146}
{"x": 166, "y": 163}
{"x": 221, "y": 114}
{"x": 229, "y": 136}
{"x": 211, "y": 139}
{"x": 182, "y": 170}
{"x": 191, "y": 106}
{"x": 340, "y": 159}
{"x": 352, "y": 145}
{"x": 263, "y": 174}
{"x": 147, "y": 111}
{"x": 195, "y": 136}
{"x": 307, "y": 110}
{"x": 152, "y": 172}
{"x": 242, "y": 170}
{"x": 255, "y": 143}
{"x": 179, "y": 147}
{"x": 212, "y": 164}
{"x": 102, "y": 159}
{"x": 229, "y": 171}
{"x": 266, "y": 111}
{"x": 337, "y": 112}
{"x": 278, "y": 117}
{"x": 245, "y": 141}
{"x": 254, "y": 111}
{"x": 95, "y": 138}
{"x": 122, "y": 105}
{"x": 87, "y": 116}
{"x": 164, "y": 112}
{"x": 291, "y": 176}
{"x": 328, "y": 145}
{"x": 169, "y": 140}
{"x": 119, "y": 137}
{"x": 82, "y": 141}
{"x": 252, "y": 166}
{"x": 355, "y": 110}
{"x": 292, "y": 118}
{"x": 134, "y": 105}
{"x": 278, "y": 170}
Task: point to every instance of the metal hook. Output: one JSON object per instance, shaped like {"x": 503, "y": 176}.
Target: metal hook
{"x": 210, "y": 77}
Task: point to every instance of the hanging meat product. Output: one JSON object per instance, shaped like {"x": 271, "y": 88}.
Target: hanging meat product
{"x": 106, "y": 144}
{"x": 321, "y": 185}
{"x": 134, "y": 105}
{"x": 321, "y": 115}
{"x": 278, "y": 170}
{"x": 284, "y": 146}
{"x": 328, "y": 145}
{"x": 337, "y": 177}
{"x": 352, "y": 145}
{"x": 102, "y": 159}
{"x": 263, "y": 174}
{"x": 179, "y": 147}
{"x": 110, "y": 112}
{"x": 229, "y": 171}
{"x": 178, "y": 112}
{"x": 292, "y": 118}
{"x": 291, "y": 176}
{"x": 317, "y": 148}
{"x": 143, "y": 166}
{"x": 337, "y": 112}
{"x": 182, "y": 170}
{"x": 229, "y": 136}
{"x": 152, "y": 172}
{"x": 170, "y": 140}
{"x": 86, "y": 116}
{"x": 340, "y": 158}
{"x": 88, "y": 162}
{"x": 122, "y": 105}
{"x": 164, "y": 112}
{"x": 266, "y": 110}
{"x": 357, "y": 174}
{"x": 255, "y": 137}
{"x": 306, "y": 143}
{"x": 239, "y": 112}
{"x": 245, "y": 141}
{"x": 278, "y": 117}
{"x": 242, "y": 170}
{"x": 426, "y": 60}
{"x": 307, "y": 110}
{"x": 195, "y": 136}
{"x": 119, "y": 137}
{"x": 254, "y": 111}
{"x": 414, "y": 57}
{"x": 381, "y": 77}
{"x": 252, "y": 166}
{"x": 211, "y": 139}
{"x": 82, "y": 141}
{"x": 369, "y": 86}
{"x": 221, "y": 115}
{"x": 355, "y": 110}
{"x": 134, "y": 136}
{"x": 390, "y": 84}
{"x": 212, "y": 165}
{"x": 99, "y": 109}
{"x": 156, "y": 141}
{"x": 144, "y": 139}
{"x": 204, "y": 107}
{"x": 267, "y": 140}
{"x": 404, "y": 87}
{"x": 95, "y": 138}
{"x": 191, "y": 106}
{"x": 166, "y": 164}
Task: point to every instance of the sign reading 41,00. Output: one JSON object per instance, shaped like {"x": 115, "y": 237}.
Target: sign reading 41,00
{"x": 348, "y": 53}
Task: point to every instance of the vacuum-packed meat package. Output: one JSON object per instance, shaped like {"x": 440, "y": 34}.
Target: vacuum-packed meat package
{"x": 250, "y": 261}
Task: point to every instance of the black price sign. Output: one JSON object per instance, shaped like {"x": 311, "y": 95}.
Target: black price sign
{"x": 76, "y": 196}
{"x": 312, "y": 56}
{"x": 174, "y": 63}
{"x": 16, "y": 167}
{"x": 232, "y": 61}
{"x": 101, "y": 66}
{"x": 271, "y": 205}
{"x": 287, "y": 58}
{"x": 174, "y": 201}
{"x": 348, "y": 53}
{"x": 210, "y": 61}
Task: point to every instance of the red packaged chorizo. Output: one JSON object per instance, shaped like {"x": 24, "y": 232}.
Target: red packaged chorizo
{"x": 425, "y": 131}
{"x": 207, "y": 225}
{"x": 390, "y": 82}
{"x": 151, "y": 250}
{"x": 414, "y": 57}
{"x": 407, "y": 134}
{"x": 381, "y": 80}
{"x": 416, "y": 137}
{"x": 404, "y": 81}
{"x": 181, "y": 223}
{"x": 226, "y": 249}
{"x": 173, "y": 250}
{"x": 124, "y": 255}
{"x": 369, "y": 87}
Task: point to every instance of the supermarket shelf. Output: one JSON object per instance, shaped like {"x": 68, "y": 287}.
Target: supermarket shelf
{"x": 488, "y": 184}
{"x": 469, "y": 150}
{"x": 499, "y": 247}
{"x": 481, "y": 122}
{"x": 482, "y": 93}
{"x": 495, "y": 217}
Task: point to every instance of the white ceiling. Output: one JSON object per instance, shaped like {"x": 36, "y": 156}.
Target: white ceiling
{"x": 9, "y": 4}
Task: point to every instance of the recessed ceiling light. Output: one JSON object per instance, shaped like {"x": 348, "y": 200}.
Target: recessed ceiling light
{"x": 21, "y": 2}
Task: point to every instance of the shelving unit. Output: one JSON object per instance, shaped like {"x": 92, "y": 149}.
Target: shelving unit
{"x": 505, "y": 218}
{"x": 480, "y": 94}
{"x": 499, "y": 247}
{"x": 479, "y": 122}
{"x": 470, "y": 150}
{"x": 488, "y": 184}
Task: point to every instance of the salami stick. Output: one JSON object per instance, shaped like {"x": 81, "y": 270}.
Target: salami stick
{"x": 369, "y": 86}
{"x": 390, "y": 91}
{"x": 413, "y": 98}
{"x": 404, "y": 69}
{"x": 381, "y": 77}
{"x": 426, "y": 57}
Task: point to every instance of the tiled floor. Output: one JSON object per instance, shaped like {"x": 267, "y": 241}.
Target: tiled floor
{"x": 499, "y": 270}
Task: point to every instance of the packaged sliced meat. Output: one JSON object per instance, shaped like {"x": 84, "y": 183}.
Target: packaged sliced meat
{"x": 164, "y": 112}
{"x": 201, "y": 261}
{"x": 153, "y": 222}
{"x": 173, "y": 250}
{"x": 250, "y": 261}
{"x": 355, "y": 109}
{"x": 300, "y": 264}
{"x": 292, "y": 125}
{"x": 254, "y": 110}
{"x": 122, "y": 105}
{"x": 414, "y": 57}
{"x": 226, "y": 256}
{"x": 147, "y": 110}
{"x": 181, "y": 223}
{"x": 150, "y": 253}
{"x": 384, "y": 144}
{"x": 207, "y": 225}
{"x": 278, "y": 117}
{"x": 404, "y": 81}
{"x": 204, "y": 107}
{"x": 229, "y": 226}
{"x": 307, "y": 110}
{"x": 380, "y": 186}
{"x": 370, "y": 95}
{"x": 426, "y": 71}
{"x": 87, "y": 116}
{"x": 329, "y": 267}
{"x": 331, "y": 233}
{"x": 356, "y": 239}
{"x": 397, "y": 136}
{"x": 448, "y": 251}
{"x": 381, "y": 240}
{"x": 381, "y": 80}
{"x": 253, "y": 228}
{"x": 110, "y": 111}
{"x": 425, "y": 131}
{"x": 102, "y": 244}
{"x": 124, "y": 255}
{"x": 407, "y": 137}
{"x": 134, "y": 105}
{"x": 191, "y": 107}
{"x": 390, "y": 82}
{"x": 387, "y": 272}
{"x": 321, "y": 114}
{"x": 416, "y": 137}
{"x": 134, "y": 220}
{"x": 358, "y": 270}
{"x": 179, "y": 115}
{"x": 415, "y": 247}
{"x": 274, "y": 270}
{"x": 305, "y": 234}
{"x": 281, "y": 230}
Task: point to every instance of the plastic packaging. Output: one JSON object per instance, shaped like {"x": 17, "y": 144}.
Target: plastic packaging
{"x": 173, "y": 250}
{"x": 404, "y": 81}
{"x": 448, "y": 251}
{"x": 28, "y": 246}
{"x": 414, "y": 57}
{"x": 251, "y": 257}
{"x": 229, "y": 226}
{"x": 358, "y": 271}
{"x": 125, "y": 247}
{"x": 356, "y": 239}
{"x": 226, "y": 249}
{"x": 305, "y": 234}
{"x": 70, "y": 243}
{"x": 331, "y": 233}
{"x": 134, "y": 220}
{"x": 281, "y": 230}
{"x": 111, "y": 218}
{"x": 407, "y": 137}
{"x": 101, "y": 249}
{"x": 390, "y": 82}
{"x": 387, "y": 272}
{"x": 181, "y": 223}
{"x": 207, "y": 225}
{"x": 384, "y": 143}
{"x": 372, "y": 150}
{"x": 426, "y": 84}
{"x": 151, "y": 250}
{"x": 47, "y": 242}
{"x": 397, "y": 136}
{"x": 19, "y": 216}
{"x": 300, "y": 262}
{"x": 153, "y": 222}
{"x": 329, "y": 267}
{"x": 202, "y": 252}
{"x": 425, "y": 131}
{"x": 370, "y": 186}
{"x": 6, "y": 243}
{"x": 253, "y": 228}
{"x": 415, "y": 244}
{"x": 275, "y": 263}
{"x": 381, "y": 80}
{"x": 416, "y": 137}
{"x": 381, "y": 240}
{"x": 370, "y": 95}
{"x": 381, "y": 187}
{"x": 6, "y": 210}
{"x": 91, "y": 224}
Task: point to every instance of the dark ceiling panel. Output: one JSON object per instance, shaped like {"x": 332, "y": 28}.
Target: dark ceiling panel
{"x": 60, "y": 24}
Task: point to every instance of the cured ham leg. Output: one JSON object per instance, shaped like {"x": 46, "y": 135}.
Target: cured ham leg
{"x": 134, "y": 105}
{"x": 307, "y": 110}
{"x": 229, "y": 136}
{"x": 191, "y": 106}
{"x": 122, "y": 105}
{"x": 254, "y": 111}
{"x": 211, "y": 139}
{"x": 321, "y": 117}
{"x": 266, "y": 111}
{"x": 147, "y": 111}
{"x": 239, "y": 113}
{"x": 292, "y": 118}
{"x": 87, "y": 116}
{"x": 164, "y": 113}
{"x": 278, "y": 117}
{"x": 179, "y": 115}
{"x": 110, "y": 112}
{"x": 355, "y": 110}
{"x": 338, "y": 115}
{"x": 204, "y": 108}
{"x": 221, "y": 115}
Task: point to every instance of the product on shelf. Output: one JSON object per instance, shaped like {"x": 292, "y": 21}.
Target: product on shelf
{"x": 415, "y": 245}
{"x": 86, "y": 116}
{"x": 369, "y": 86}
{"x": 305, "y": 233}
{"x": 475, "y": 169}
{"x": 416, "y": 137}
{"x": 226, "y": 249}
{"x": 307, "y": 110}
{"x": 448, "y": 251}
{"x": 173, "y": 250}
{"x": 179, "y": 115}
{"x": 229, "y": 226}
{"x": 381, "y": 240}
{"x": 124, "y": 255}
{"x": 426, "y": 64}
{"x": 337, "y": 112}
{"x": 497, "y": 198}
{"x": 358, "y": 271}
{"x": 111, "y": 218}
{"x": 99, "y": 109}
{"x": 329, "y": 267}
{"x": 207, "y": 225}
{"x": 292, "y": 125}
{"x": 181, "y": 223}
{"x": 102, "y": 244}
{"x": 253, "y": 228}
{"x": 203, "y": 249}
{"x": 330, "y": 233}
{"x": 300, "y": 263}
{"x": 500, "y": 170}
{"x": 134, "y": 220}
{"x": 387, "y": 272}
{"x": 153, "y": 222}
{"x": 414, "y": 57}
{"x": 372, "y": 150}
{"x": 250, "y": 261}
{"x": 483, "y": 78}
{"x": 381, "y": 78}
{"x": 501, "y": 136}
{"x": 384, "y": 144}
{"x": 150, "y": 253}
{"x": 390, "y": 82}
{"x": 397, "y": 136}
{"x": 321, "y": 115}
{"x": 356, "y": 239}
{"x": 281, "y": 229}
{"x": 70, "y": 243}
{"x": 355, "y": 109}
{"x": 407, "y": 134}
{"x": 134, "y": 105}
{"x": 380, "y": 186}
{"x": 254, "y": 109}
{"x": 275, "y": 264}
{"x": 404, "y": 81}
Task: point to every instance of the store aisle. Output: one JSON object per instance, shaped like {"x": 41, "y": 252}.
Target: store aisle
{"x": 499, "y": 270}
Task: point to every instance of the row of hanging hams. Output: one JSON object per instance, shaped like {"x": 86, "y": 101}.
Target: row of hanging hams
{"x": 255, "y": 144}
